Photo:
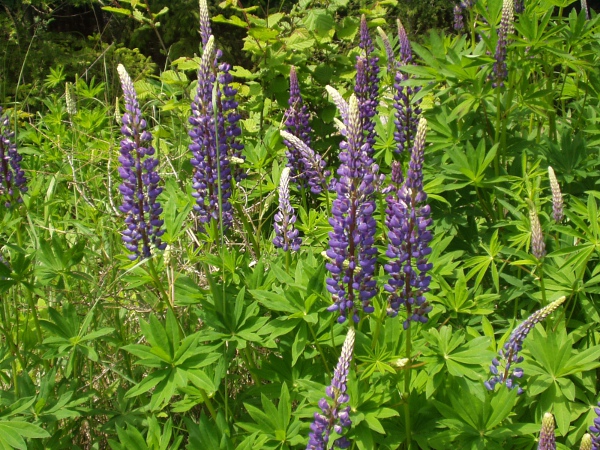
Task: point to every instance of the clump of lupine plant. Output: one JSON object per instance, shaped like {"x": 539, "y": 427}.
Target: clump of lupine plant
{"x": 500, "y": 69}
{"x": 332, "y": 415}
{"x": 140, "y": 187}
{"x": 557, "y": 199}
{"x": 503, "y": 368}
{"x": 547, "y": 437}
{"x": 352, "y": 252}
{"x": 311, "y": 162}
{"x": 12, "y": 177}
{"x": 538, "y": 246}
{"x": 214, "y": 133}
{"x": 286, "y": 235}
{"x": 407, "y": 219}
{"x": 407, "y": 109}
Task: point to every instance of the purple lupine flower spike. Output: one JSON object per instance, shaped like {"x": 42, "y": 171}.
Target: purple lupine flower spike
{"x": 205, "y": 30}
{"x": 557, "y": 199}
{"x": 296, "y": 122}
{"x": 389, "y": 51}
{"x": 352, "y": 252}
{"x": 12, "y": 177}
{"x": 314, "y": 166}
{"x": 538, "y": 246}
{"x": 214, "y": 139}
{"x": 367, "y": 82}
{"x": 407, "y": 219}
{"x": 140, "y": 180}
{"x": 547, "y": 437}
{"x": 407, "y": 110}
{"x": 332, "y": 416}
{"x": 503, "y": 368}
{"x": 500, "y": 69}
{"x": 340, "y": 103}
{"x": 286, "y": 236}
{"x": 459, "y": 23}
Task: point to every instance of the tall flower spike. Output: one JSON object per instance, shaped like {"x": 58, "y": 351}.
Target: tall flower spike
{"x": 500, "y": 69}
{"x": 340, "y": 103}
{"x": 547, "y": 437}
{"x": 407, "y": 110}
{"x": 389, "y": 51}
{"x": 205, "y": 30}
{"x": 586, "y": 442}
{"x": 503, "y": 368}
{"x": 332, "y": 416}
{"x": 286, "y": 236}
{"x": 407, "y": 219}
{"x": 313, "y": 164}
{"x": 352, "y": 252}
{"x": 140, "y": 180}
{"x": 538, "y": 246}
{"x": 296, "y": 122}
{"x": 214, "y": 139}
{"x": 12, "y": 177}
{"x": 69, "y": 100}
{"x": 557, "y": 199}
{"x": 367, "y": 82}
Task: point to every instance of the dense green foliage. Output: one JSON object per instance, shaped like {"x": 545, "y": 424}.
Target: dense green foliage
{"x": 224, "y": 341}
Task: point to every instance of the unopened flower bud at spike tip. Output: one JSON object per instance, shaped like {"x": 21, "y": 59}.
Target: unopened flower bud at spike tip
{"x": 557, "y": 199}
{"x": 547, "y": 437}
{"x": 586, "y": 442}
{"x": 538, "y": 246}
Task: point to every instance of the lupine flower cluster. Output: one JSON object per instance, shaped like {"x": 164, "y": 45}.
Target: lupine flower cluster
{"x": 69, "y": 100}
{"x": 547, "y": 437}
{"x": 595, "y": 430}
{"x": 306, "y": 166}
{"x": 407, "y": 110}
{"x": 407, "y": 219}
{"x": 351, "y": 250}
{"x": 557, "y": 199}
{"x": 286, "y": 236}
{"x": 214, "y": 138}
{"x": 367, "y": 82}
{"x": 503, "y": 368}
{"x": 459, "y": 11}
{"x": 500, "y": 69}
{"x": 538, "y": 246}
{"x": 314, "y": 166}
{"x": 332, "y": 416}
{"x": 12, "y": 176}
{"x": 140, "y": 180}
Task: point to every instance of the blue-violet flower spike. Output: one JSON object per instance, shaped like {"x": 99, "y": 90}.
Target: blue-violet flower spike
{"x": 407, "y": 219}
{"x": 140, "y": 180}
{"x": 12, "y": 177}
{"x": 286, "y": 236}
{"x": 332, "y": 415}
{"x": 313, "y": 164}
{"x": 503, "y": 368}
{"x": 352, "y": 250}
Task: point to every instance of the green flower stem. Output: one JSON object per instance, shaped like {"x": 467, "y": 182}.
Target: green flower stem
{"x": 251, "y": 365}
{"x": 540, "y": 270}
{"x": 319, "y": 348}
{"x": 208, "y": 403}
{"x": 407, "y": 377}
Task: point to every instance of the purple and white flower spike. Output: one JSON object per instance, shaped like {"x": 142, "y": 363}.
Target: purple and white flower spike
{"x": 286, "y": 236}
